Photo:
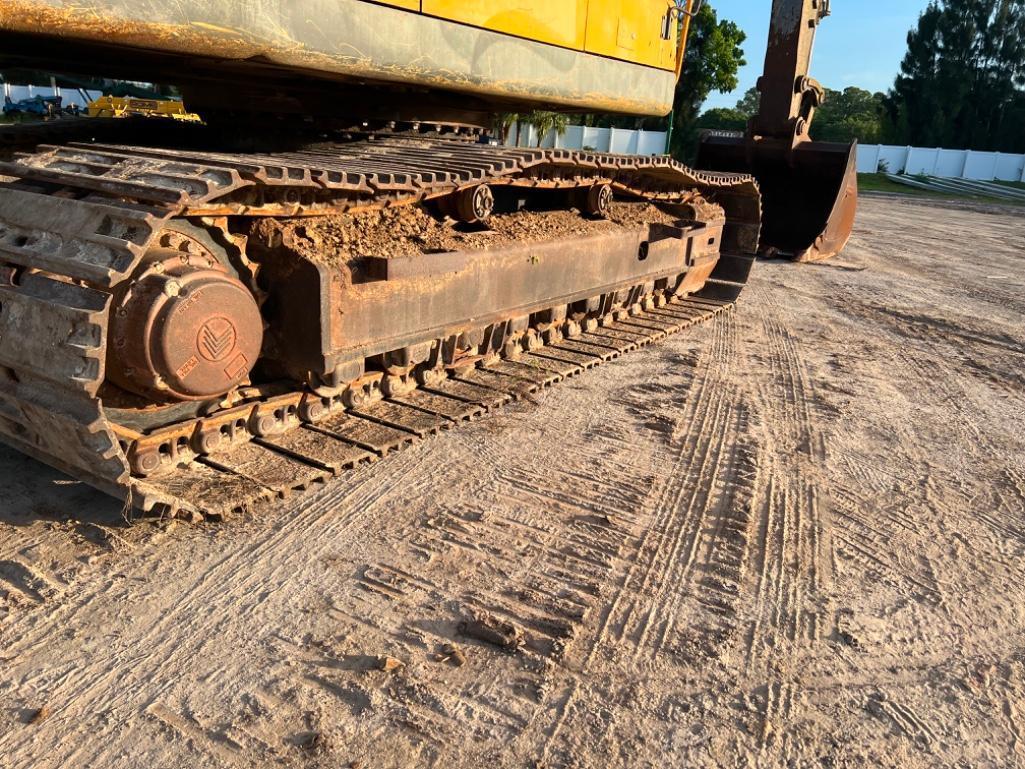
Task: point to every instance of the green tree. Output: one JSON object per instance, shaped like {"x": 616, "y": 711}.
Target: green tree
{"x": 713, "y": 58}
{"x": 850, "y": 114}
{"x": 504, "y": 121}
{"x": 853, "y": 113}
{"x": 749, "y": 103}
{"x": 544, "y": 122}
{"x": 723, "y": 119}
{"x": 962, "y": 80}
{"x": 731, "y": 118}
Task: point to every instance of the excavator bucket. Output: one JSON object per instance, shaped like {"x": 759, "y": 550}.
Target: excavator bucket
{"x": 809, "y": 193}
{"x": 809, "y": 189}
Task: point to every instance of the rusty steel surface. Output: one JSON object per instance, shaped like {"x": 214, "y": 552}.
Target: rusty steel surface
{"x": 809, "y": 193}
{"x": 183, "y": 328}
{"x": 417, "y": 299}
{"x": 839, "y": 225}
{"x": 788, "y": 95}
{"x": 809, "y": 188}
{"x": 101, "y": 272}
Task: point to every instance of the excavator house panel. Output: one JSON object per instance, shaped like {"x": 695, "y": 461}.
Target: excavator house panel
{"x": 634, "y": 30}
{"x": 507, "y": 56}
{"x": 548, "y": 21}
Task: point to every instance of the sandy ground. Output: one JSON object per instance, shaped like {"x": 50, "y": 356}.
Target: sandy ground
{"x": 793, "y": 537}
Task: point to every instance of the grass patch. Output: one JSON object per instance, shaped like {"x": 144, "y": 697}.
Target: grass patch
{"x": 880, "y": 183}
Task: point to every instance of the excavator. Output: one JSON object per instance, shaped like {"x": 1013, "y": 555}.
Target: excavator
{"x": 338, "y": 261}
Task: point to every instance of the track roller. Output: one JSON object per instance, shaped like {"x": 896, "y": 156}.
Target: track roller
{"x": 474, "y": 204}
{"x": 596, "y": 200}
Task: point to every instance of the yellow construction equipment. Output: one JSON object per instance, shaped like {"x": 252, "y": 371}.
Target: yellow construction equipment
{"x": 125, "y": 107}
{"x": 336, "y": 262}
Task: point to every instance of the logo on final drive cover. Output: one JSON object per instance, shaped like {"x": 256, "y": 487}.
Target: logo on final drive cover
{"x": 216, "y": 339}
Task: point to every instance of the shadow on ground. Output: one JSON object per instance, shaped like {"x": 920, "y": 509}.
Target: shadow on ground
{"x": 31, "y": 491}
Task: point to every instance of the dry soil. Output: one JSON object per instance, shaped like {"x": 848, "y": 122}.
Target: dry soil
{"x": 792, "y": 537}
{"x": 411, "y": 230}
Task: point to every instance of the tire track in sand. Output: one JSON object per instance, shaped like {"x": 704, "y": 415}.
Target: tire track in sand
{"x": 681, "y": 578}
{"x": 705, "y": 454}
{"x": 792, "y": 559}
{"x": 207, "y": 602}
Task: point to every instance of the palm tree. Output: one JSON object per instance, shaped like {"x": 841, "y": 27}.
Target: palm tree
{"x": 503, "y": 124}
{"x": 544, "y": 122}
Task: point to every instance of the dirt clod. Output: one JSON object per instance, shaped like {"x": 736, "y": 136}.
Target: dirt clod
{"x": 452, "y": 654}
{"x": 412, "y": 230}
{"x": 308, "y": 741}
{"x": 389, "y": 664}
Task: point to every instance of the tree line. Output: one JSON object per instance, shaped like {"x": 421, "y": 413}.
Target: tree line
{"x": 852, "y": 113}
{"x": 961, "y": 85}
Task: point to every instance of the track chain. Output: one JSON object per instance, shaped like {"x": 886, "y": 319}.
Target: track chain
{"x": 311, "y": 454}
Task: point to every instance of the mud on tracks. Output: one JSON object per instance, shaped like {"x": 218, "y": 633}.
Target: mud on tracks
{"x": 412, "y": 230}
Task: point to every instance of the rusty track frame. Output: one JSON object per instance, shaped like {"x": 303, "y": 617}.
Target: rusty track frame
{"x": 417, "y": 299}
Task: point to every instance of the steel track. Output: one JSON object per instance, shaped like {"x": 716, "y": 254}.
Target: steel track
{"x": 78, "y": 219}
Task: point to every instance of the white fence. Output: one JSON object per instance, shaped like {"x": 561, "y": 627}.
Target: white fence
{"x": 578, "y": 137}
{"x": 957, "y": 164}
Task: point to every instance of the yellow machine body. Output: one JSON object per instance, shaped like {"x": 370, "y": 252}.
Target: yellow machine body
{"x": 618, "y": 29}
{"x": 123, "y": 107}
{"x": 617, "y": 56}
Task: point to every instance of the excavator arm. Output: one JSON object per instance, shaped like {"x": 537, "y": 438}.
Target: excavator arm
{"x": 809, "y": 188}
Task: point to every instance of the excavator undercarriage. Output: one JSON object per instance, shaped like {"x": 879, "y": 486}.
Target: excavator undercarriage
{"x": 167, "y": 340}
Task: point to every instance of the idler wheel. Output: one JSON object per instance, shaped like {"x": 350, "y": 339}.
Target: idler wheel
{"x": 184, "y": 329}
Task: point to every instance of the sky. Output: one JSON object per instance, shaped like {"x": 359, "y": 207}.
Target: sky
{"x": 861, "y": 43}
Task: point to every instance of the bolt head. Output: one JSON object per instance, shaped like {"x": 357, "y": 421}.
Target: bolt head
{"x": 209, "y": 442}
{"x": 148, "y": 462}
